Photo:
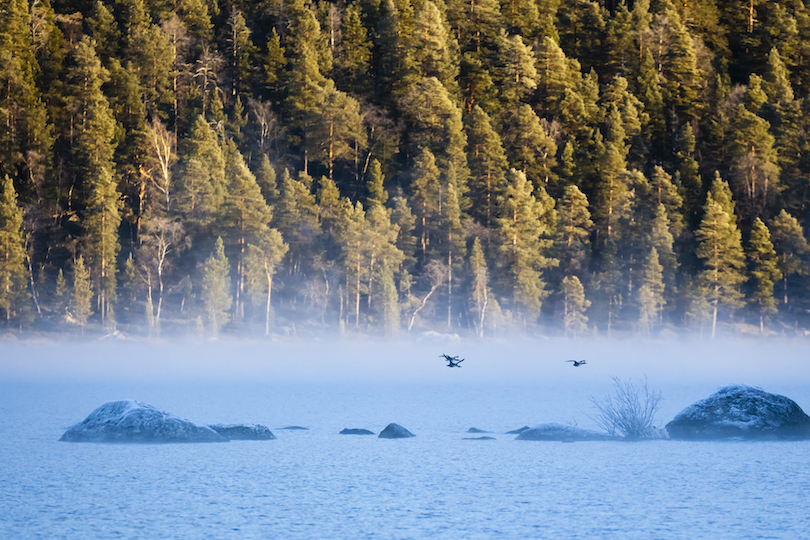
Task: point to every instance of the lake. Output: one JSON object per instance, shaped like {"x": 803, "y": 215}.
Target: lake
{"x": 316, "y": 483}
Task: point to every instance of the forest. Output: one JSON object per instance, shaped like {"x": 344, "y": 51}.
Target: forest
{"x": 294, "y": 167}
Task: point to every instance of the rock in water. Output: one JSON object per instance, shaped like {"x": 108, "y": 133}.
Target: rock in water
{"x": 244, "y": 432}
{"x": 135, "y": 422}
{"x": 517, "y": 431}
{"x": 553, "y": 431}
{"x": 356, "y": 431}
{"x": 395, "y": 431}
{"x": 741, "y": 411}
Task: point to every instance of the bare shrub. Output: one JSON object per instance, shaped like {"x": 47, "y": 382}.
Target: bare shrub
{"x": 629, "y": 411}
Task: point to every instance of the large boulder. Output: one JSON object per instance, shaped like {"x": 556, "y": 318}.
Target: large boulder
{"x": 741, "y": 411}
{"x": 552, "y": 431}
{"x": 244, "y": 432}
{"x": 395, "y": 431}
{"x": 135, "y": 422}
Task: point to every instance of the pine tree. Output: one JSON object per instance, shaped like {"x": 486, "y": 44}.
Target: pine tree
{"x": 572, "y": 241}
{"x": 432, "y": 48}
{"x": 488, "y": 165}
{"x": 13, "y": 271}
{"x": 82, "y": 293}
{"x": 266, "y": 178}
{"x": 356, "y": 48}
{"x": 216, "y": 285}
{"x": 351, "y": 235}
{"x": 479, "y": 288}
{"x": 338, "y": 134}
{"x": 375, "y": 184}
{"x": 720, "y": 248}
{"x": 240, "y": 51}
{"x": 516, "y": 76}
{"x": 529, "y": 147}
{"x": 661, "y": 238}
{"x": 94, "y": 153}
{"x": 262, "y": 262}
{"x": 525, "y": 225}
{"x": 763, "y": 264}
{"x": 389, "y": 299}
{"x": 426, "y": 198}
{"x": 246, "y": 215}
{"x": 201, "y": 188}
{"x": 451, "y": 240}
{"x": 755, "y": 172}
{"x": 651, "y": 293}
{"x": 296, "y": 218}
{"x": 434, "y": 122}
{"x": 574, "y": 319}
{"x": 791, "y": 249}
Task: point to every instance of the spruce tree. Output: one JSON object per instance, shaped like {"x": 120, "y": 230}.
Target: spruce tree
{"x": 216, "y": 285}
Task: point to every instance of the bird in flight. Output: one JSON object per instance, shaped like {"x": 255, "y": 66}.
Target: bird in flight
{"x": 577, "y": 364}
{"x": 452, "y": 361}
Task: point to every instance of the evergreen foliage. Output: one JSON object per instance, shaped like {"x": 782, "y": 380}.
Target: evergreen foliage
{"x": 469, "y": 166}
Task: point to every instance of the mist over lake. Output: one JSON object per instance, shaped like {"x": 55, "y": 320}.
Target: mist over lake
{"x": 442, "y": 483}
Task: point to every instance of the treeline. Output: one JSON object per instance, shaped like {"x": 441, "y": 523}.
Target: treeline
{"x": 390, "y": 165}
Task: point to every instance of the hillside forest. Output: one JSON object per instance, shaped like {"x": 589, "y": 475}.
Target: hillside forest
{"x": 536, "y": 167}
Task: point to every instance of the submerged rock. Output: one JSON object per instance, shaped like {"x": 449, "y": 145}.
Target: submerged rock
{"x": 135, "y": 422}
{"x": 355, "y": 431}
{"x": 553, "y": 431}
{"x": 476, "y": 430}
{"x": 484, "y": 438}
{"x": 741, "y": 411}
{"x": 296, "y": 428}
{"x": 395, "y": 431}
{"x": 244, "y": 432}
{"x": 517, "y": 431}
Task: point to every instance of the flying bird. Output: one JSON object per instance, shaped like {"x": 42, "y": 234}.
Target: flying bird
{"x": 577, "y": 364}
{"x": 452, "y": 361}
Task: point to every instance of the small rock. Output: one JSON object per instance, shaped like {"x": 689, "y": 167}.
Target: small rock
{"x": 476, "y": 430}
{"x": 356, "y": 431}
{"x": 395, "y": 431}
{"x": 517, "y": 431}
{"x": 244, "y": 432}
{"x": 553, "y": 431}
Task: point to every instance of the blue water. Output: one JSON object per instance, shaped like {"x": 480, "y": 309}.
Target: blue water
{"x": 318, "y": 484}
